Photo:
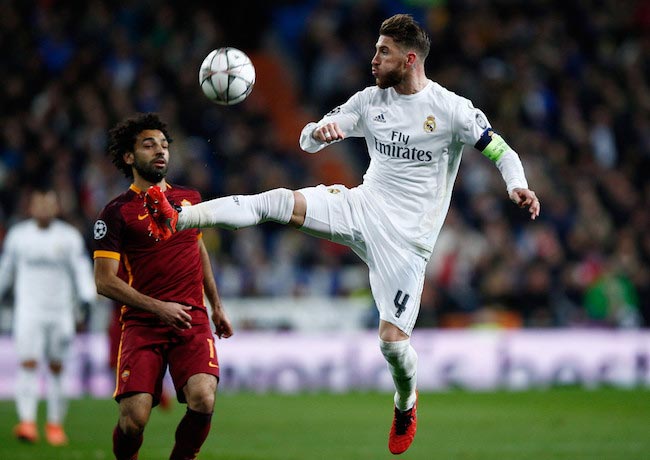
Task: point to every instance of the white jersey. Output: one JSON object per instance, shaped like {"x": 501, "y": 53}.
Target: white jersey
{"x": 49, "y": 268}
{"x": 415, "y": 143}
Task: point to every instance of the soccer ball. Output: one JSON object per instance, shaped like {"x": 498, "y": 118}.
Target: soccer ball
{"x": 227, "y": 76}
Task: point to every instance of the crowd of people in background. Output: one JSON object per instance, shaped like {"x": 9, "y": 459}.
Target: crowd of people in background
{"x": 568, "y": 82}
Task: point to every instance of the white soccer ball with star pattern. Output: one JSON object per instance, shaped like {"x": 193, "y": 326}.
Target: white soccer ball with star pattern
{"x": 227, "y": 76}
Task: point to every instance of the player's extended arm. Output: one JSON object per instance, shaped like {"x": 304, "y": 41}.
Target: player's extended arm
{"x": 329, "y": 132}
{"x": 82, "y": 271}
{"x": 6, "y": 271}
{"x": 222, "y": 325}
{"x": 112, "y": 286}
{"x": 316, "y": 136}
{"x": 335, "y": 126}
{"x": 7, "y": 265}
{"x": 492, "y": 145}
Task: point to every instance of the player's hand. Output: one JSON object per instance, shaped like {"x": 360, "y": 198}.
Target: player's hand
{"x": 525, "y": 198}
{"x": 175, "y": 314}
{"x": 329, "y": 132}
{"x": 222, "y": 326}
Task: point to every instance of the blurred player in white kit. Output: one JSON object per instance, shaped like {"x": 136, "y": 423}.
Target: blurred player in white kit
{"x": 46, "y": 261}
{"x": 415, "y": 132}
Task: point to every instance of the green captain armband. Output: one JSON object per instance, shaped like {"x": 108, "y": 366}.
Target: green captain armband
{"x": 492, "y": 145}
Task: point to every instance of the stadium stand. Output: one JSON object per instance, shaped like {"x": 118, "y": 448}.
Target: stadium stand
{"x": 569, "y": 86}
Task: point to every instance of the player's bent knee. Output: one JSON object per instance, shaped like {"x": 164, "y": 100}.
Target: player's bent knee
{"x": 132, "y": 426}
{"x": 134, "y": 413}
{"x": 56, "y": 367}
{"x": 29, "y": 364}
{"x": 299, "y": 209}
{"x": 203, "y": 404}
{"x": 134, "y": 421}
{"x": 201, "y": 399}
{"x": 390, "y": 333}
{"x": 200, "y": 392}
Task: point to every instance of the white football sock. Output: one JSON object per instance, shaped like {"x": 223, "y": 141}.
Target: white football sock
{"x": 238, "y": 211}
{"x": 403, "y": 365}
{"x": 56, "y": 400}
{"x": 27, "y": 394}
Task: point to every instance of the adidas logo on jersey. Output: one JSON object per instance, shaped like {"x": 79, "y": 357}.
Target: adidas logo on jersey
{"x": 379, "y": 118}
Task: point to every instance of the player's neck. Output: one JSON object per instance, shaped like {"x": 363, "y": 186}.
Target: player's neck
{"x": 43, "y": 224}
{"x": 412, "y": 85}
{"x": 143, "y": 185}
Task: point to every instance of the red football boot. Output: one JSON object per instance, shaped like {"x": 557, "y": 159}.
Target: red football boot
{"x": 55, "y": 435}
{"x": 163, "y": 216}
{"x": 403, "y": 430}
{"x": 26, "y": 431}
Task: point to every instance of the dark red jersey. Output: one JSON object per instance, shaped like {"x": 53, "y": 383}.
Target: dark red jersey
{"x": 167, "y": 270}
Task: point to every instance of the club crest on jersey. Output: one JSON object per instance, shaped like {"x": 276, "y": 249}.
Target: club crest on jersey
{"x": 100, "y": 229}
{"x": 125, "y": 375}
{"x": 481, "y": 121}
{"x": 430, "y": 124}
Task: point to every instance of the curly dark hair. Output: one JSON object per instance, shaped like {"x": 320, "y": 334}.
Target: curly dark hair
{"x": 122, "y": 137}
{"x": 406, "y": 31}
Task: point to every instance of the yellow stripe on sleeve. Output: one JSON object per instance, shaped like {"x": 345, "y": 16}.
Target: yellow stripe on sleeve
{"x": 106, "y": 255}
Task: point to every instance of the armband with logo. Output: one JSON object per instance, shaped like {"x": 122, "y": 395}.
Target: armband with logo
{"x": 492, "y": 145}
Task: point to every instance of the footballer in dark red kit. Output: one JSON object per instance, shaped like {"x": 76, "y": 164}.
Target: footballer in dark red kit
{"x": 162, "y": 286}
{"x": 147, "y": 263}
{"x": 126, "y": 239}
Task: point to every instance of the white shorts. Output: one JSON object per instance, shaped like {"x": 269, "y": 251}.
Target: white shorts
{"x": 43, "y": 337}
{"x": 348, "y": 217}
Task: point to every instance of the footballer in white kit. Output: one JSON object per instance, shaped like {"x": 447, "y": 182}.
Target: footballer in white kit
{"x": 415, "y": 132}
{"x": 52, "y": 274}
{"x": 393, "y": 218}
{"x": 46, "y": 262}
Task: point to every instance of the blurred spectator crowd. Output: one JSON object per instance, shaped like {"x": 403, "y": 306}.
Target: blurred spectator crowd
{"x": 567, "y": 83}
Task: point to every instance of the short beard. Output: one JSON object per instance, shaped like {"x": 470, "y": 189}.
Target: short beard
{"x": 392, "y": 78}
{"x": 148, "y": 173}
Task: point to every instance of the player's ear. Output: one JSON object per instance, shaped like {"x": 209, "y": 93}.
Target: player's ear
{"x": 411, "y": 57}
{"x": 129, "y": 158}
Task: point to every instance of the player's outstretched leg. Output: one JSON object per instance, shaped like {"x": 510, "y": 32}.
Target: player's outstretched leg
{"x": 163, "y": 216}
{"x": 403, "y": 429}
{"x": 229, "y": 212}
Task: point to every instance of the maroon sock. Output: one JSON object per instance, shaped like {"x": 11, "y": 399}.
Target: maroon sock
{"x": 125, "y": 447}
{"x": 190, "y": 435}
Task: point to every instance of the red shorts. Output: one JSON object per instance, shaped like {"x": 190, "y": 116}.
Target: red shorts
{"x": 147, "y": 350}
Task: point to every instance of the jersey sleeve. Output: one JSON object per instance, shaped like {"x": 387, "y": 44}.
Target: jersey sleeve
{"x": 107, "y": 233}
{"x": 81, "y": 268}
{"x": 347, "y": 116}
{"x": 469, "y": 122}
{"x": 473, "y": 126}
{"x": 7, "y": 262}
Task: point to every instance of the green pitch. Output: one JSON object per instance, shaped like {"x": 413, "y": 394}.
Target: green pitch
{"x": 569, "y": 424}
